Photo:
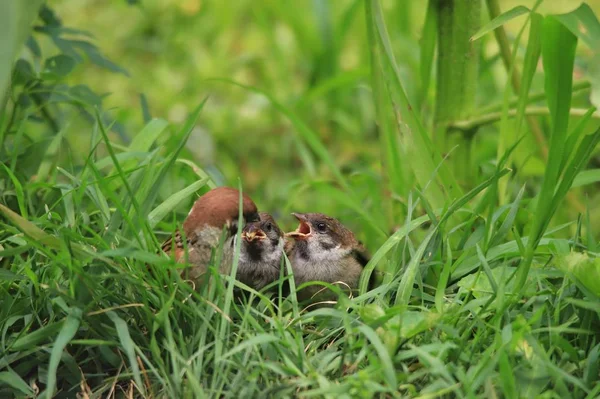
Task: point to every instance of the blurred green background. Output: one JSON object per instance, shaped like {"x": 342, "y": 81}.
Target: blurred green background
{"x": 311, "y": 56}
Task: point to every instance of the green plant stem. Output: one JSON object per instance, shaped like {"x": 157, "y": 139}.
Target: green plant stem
{"x": 503, "y": 43}
{"x": 578, "y": 87}
{"x": 536, "y": 130}
{"x": 482, "y": 120}
{"x": 458, "y": 59}
{"x": 457, "y": 65}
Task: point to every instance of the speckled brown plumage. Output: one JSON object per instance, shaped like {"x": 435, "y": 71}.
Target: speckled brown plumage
{"x": 323, "y": 249}
{"x": 260, "y": 253}
{"x": 215, "y": 210}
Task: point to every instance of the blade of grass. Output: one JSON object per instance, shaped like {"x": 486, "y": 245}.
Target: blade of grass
{"x": 13, "y": 379}
{"x": 558, "y": 48}
{"x": 389, "y": 144}
{"x": 406, "y": 283}
{"x": 158, "y": 213}
{"x": 128, "y": 346}
{"x": 427, "y": 45}
{"x": 500, "y": 20}
{"x": 67, "y": 332}
{"x": 306, "y": 133}
{"x": 18, "y": 191}
{"x": 422, "y": 156}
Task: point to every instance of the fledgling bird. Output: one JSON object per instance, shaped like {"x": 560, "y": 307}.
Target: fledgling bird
{"x": 261, "y": 252}
{"x": 210, "y": 214}
{"x": 323, "y": 249}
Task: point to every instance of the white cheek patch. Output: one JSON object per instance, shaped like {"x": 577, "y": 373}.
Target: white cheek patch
{"x": 318, "y": 254}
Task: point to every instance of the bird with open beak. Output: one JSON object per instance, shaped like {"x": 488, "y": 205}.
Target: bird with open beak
{"x": 212, "y": 214}
{"x": 261, "y": 252}
{"x": 323, "y": 249}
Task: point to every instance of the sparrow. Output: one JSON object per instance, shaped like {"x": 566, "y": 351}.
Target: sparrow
{"x": 261, "y": 252}
{"x": 211, "y": 214}
{"x": 323, "y": 249}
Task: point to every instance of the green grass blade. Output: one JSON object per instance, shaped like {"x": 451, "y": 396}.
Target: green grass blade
{"x": 306, "y": 133}
{"x": 13, "y": 379}
{"x": 128, "y": 346}
{"x": 427, "y": 45}
{"x": 406, "y": 283}
{"x": 500, "y": 20}
{"x": 422, "y": 156}
{"x": 586, "y": 177}
{"x": 388, "y": 136}
{"x": 18, "y": 191}
{"x": 158, "y": 213}
{"x": 250, "y": 343}
{"x": 387, "y": 246}
{"x": 532, "y": 55}
{"x": 148, "y": 135}
{"x": 36, "y": 337}
{"x": 584, "y": 24}
{"x": 67, "y": 332}
{"x": 389, "y": 371}
{"x": 558, "y": 49}
{"x": 575, "y": 136}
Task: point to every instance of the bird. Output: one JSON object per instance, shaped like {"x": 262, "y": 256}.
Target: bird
{"x": 212, "y": 214}
{"x": 261, "y": 251}
{"x": 323, "y": 249}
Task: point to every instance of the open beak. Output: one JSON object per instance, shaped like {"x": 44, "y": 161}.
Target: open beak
{"x": 253, "y": 233}
{"x": 303, "y": 231}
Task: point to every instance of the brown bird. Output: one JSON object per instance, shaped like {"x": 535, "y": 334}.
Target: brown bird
{"x": 323, "y": 249}
{"x": 261, "y": 252}
{"x": 210, "y": 215}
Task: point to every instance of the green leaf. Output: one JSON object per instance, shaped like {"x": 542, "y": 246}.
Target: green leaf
{"x": 67, "y": 332}
{"x": 558, "y": 49}
{"x": 7, "y": 275}
{"x": 586, "y": 177}
{"x": 144, "y": 139}
{"x": 32, "y": 339}
{"x": 584, "y": 24}
{"x": 158, "y": 213}
{"x": 303, "y": 130}
{"x": 30, "y": 229}
{"x": 427, "y": 44}
{"x": 583, "y": 269}
{"x": 128, "y": 346}
{"x": 249, "y": 343}
{"x": 387, "y": 246}
{"x": 14, "y": 380}
{"x": 388, "y": 369}
{"x": 500, "y": 20}
{"x": 18, "y": 190}
{"x": 149, "y": 189}
{"x": 58, "y": 66}
{"x": 406, "y": 283}
{"x": 391, "y": 155}
{"x": 422, "y": 156}
{"x": 15, "y": 24}
{"x": 532, "y": 55}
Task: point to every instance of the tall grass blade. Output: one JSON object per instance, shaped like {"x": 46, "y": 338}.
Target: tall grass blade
{"x": 67, "y": 332}
{"x": 422, "y": 156}
{"x": 128, "y": 346}
{"x": 558, "y": 49}
{"x": 500, "y": 20}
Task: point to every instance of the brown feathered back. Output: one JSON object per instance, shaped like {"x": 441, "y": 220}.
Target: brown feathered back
{"x": 218, "y": 206}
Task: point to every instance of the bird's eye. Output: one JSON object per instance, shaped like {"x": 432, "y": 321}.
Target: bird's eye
{"x": 321, "y": 226}
{"x": 269, "y": 226}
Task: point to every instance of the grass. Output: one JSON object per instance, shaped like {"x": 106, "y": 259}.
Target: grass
{"x": 488, "y": 270}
